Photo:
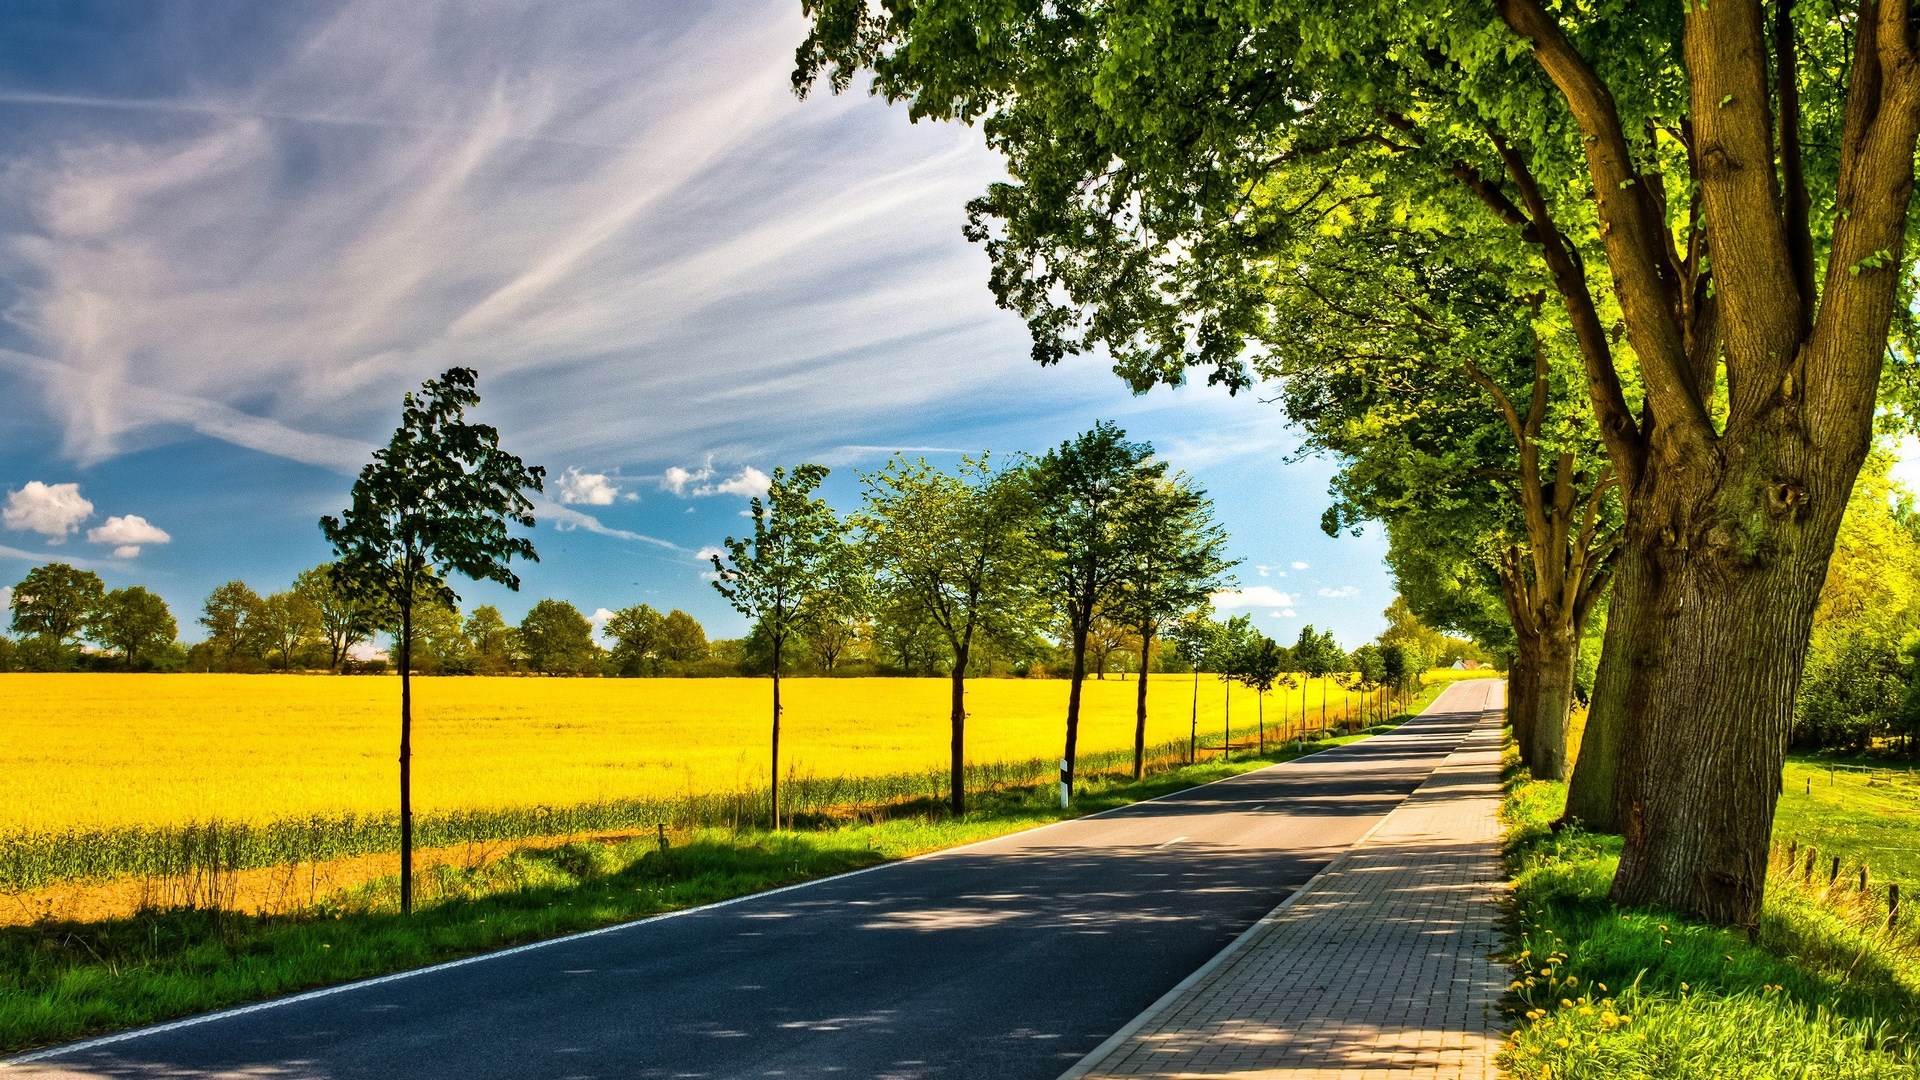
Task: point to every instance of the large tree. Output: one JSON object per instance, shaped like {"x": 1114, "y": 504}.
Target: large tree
{"x": 135, "y": 623}
{"x": 345, "y": 621}
{"x": 637, "y": 647}
{"x": 557, "y": 639}
{"x": 439, "y": 499}
{"x": 54, "y": 604}
{"x": 1172, "y": 559}
{"x": 775, "y": 576}
{"x": 950, "y": 550}
{"x": 1084, "y": 490}
{"x": 682, "y": 639}
{"x": 1732, "y": 179}
{"x": 235, "y": 619}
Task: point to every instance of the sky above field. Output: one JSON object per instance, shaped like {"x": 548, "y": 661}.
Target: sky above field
{"x": 232, "y": 234}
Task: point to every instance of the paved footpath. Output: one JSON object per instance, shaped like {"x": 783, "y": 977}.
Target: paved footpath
{"x": 1378, "y": 968}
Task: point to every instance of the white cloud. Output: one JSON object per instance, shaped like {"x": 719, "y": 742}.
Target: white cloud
{"x": 1298, "y": 565}
{"x": 6, "y": 604}
{"x": 587, "y": 489}
{"x": 52, "y": 510}
{"x": 599, "y": 619}
{"x": 1257, "y": 596}
{"x": 1340, "y": 593}
{"x": 710, "y": 552}
{"x": 696, "y": 482}
{"x": 628, "y": 214}
{"x": 749, "y": 481}
{"x": 677, "y": 479}
{"x": 1289, "y": 614}
{"x": 565, "y": 519}
{"x": 129, "y": 534}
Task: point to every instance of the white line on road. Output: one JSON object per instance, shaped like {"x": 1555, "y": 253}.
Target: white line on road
{"x": 1165, "y": 843}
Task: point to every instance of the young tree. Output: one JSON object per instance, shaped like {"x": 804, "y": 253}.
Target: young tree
{"x": 344, "y": 620}
{"x": 1260, "y": 667}
{"x": 53, "y": 604}
{"x": 1228, "y": 658}
{"x": 135, "y": 623}
{"x": 490, "y": 639}
{"x": 682, "y": 639}
{"x": 775, "y": 576}
{"x": 437, "y": 500}
{"x": 235, "y": 617}
{"x": 1172, "y": 559}
{"x": 833, "y": 622}
{"x": 557, "y": 640}
{"x": 951, "y": 550}
{"x": 1317, "y": 655}
{"x": 637, "y": 634}
{"x": 1193, "y": 638}
{"x": 1084, "y": 490}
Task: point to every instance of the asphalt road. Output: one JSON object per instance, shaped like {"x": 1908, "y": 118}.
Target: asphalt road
{"x": 1008, "y": 959}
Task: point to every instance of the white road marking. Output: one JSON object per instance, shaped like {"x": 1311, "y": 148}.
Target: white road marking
{"x": 1175, "y": 840}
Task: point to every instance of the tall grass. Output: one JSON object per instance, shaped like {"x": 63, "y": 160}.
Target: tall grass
{"x": 1825, "y": 988}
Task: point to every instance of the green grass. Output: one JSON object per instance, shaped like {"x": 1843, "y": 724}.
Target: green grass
{"x": 60, "y": 980}
{"x": 1870, "y": 817}
{"x": 1605, "y": 994}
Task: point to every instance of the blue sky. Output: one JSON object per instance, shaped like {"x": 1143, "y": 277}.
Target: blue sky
{"x": 232, "y": 234}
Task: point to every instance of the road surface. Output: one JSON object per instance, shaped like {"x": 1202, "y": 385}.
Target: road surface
{"x": 1008, "y": 959}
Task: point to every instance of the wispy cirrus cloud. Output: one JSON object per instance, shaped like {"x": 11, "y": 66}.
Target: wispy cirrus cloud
{"x": 621, "y": 215}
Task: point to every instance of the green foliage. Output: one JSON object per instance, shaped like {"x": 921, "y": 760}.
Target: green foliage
{"x": 1317, "y": 654}
{"x": 52, "y": 606}
{"x": 234, "y": 619}
{"x": 135, "y": 623}
{"x": 682, "y": 639}
{"x": 344, "y": 619}
{"x": 490, "y": 641}
{"x": 637, "y": 646}
{"x": 438, "y": 499}
{"x": 556, "y": 639}
{"x": 951, "y": 555}
{"x": 1084, "y": 491}
{"x": 777, "y": 576}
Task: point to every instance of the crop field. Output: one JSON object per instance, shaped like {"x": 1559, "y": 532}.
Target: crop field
{"x": 105, "y": 775}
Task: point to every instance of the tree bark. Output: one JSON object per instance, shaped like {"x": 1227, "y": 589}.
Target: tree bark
{"x": 1073, "y": 705}
{"x": 1552, "y": 703}
{"x": 1193, "y": 720}
{"x": 406, "y": 755}
{"x": 1140, "y": 708}
{"x": 1523, "y": 679}
{"x": 1594, "y": 797}
{"x": 773, "y": 787}
{"x": 1736, "y": 566}
{"x": 959, "y": 717}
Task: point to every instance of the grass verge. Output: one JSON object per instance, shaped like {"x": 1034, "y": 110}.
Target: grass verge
{"x": 1823, "y": 990}
{"x": 65, "y": 980}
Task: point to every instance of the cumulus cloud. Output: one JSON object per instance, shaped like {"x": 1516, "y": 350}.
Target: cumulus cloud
{"x": 587, "y": 489}
{"x": 698, "y": 482}
{"x": 128, "y": 533}
{"x": 1298, "y": 565}
{"x": 52, "y": 510}
{"x": 6, "y": 604}
{"x": 1257, "y": 596}
{"x": 1340, "y": 593}
{"x": 680, "y": 480}
{"x": 710, "y": 552}
{"x": 749, "y": 481}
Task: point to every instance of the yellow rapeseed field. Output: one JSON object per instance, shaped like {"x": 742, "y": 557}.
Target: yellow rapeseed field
{"x": 105, "y": 750}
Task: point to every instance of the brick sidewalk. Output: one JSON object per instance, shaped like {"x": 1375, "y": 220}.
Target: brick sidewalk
{"x": 1378, "y": 967}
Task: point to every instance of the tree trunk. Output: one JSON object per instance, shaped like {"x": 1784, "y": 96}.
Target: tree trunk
{"x": 1140, "y": 709}
{"x": 773, "y": 787}
{"x": 959, "y": 716}
{"x": 406, "y": 756}
{"x": 1552, "y": 703}
{"x": 1593, "y": 795}
{"x": 1735, "y": 558}
{"x": 1226, "y": 724}
{"x": 1523, "y": 682}
{"x": 1260, "y": 708}
{"x": 1193, "y": 721}
{"x": 1073, "y": 706}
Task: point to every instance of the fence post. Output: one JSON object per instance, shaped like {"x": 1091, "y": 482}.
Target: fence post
{"x": 1813, "y": 855}
{"x": 1863, "y": 879}
{"x": 1833, "y": 873}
